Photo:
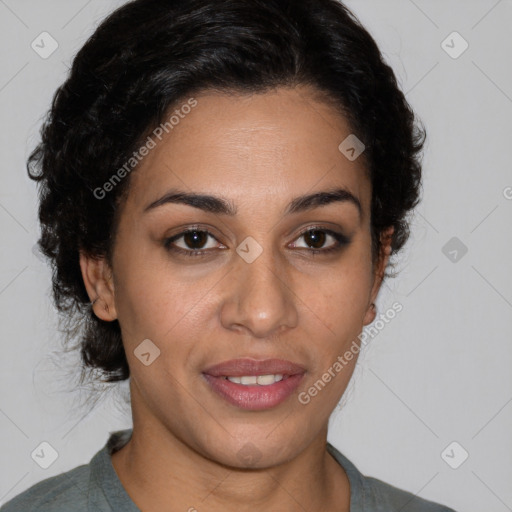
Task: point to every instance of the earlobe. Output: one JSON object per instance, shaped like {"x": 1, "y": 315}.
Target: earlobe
{"x": 98, "y": 281}
{"x": 370, "y": 314}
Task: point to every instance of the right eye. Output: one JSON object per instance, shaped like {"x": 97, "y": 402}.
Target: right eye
{"x": 193, "y": 242}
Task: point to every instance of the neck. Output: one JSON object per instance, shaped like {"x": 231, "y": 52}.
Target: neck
{"x": 160, "y": 472}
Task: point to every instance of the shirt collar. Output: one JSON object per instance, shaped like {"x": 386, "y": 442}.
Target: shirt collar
{"x": 106, "y": 477}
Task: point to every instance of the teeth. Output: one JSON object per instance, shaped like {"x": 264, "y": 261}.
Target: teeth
{"x": 251, "y": 380}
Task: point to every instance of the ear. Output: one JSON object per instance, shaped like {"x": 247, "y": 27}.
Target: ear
{"x": 380, "y": 268}
{"x": 99, "y": 283}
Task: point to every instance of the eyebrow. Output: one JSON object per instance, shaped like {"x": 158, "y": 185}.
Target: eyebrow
{"x": 218, "y": 205}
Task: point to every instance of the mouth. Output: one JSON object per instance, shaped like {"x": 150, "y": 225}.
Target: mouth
{"x": 252, "y": 384}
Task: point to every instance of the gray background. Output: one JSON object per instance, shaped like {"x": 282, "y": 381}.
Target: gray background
{"x": 439, "y": 372}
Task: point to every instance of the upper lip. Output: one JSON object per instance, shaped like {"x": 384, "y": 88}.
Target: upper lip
{"x": 246, "y": 366}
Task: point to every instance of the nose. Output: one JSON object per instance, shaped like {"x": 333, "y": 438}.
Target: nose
{"x": 260, "y": 300}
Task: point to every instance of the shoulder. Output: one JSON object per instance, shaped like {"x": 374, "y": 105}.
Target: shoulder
{"x": 93, "y": 486}
{"x": 371, "y": 494}
{"x": 60, "y": 493}
{"x": 384, "y": 497}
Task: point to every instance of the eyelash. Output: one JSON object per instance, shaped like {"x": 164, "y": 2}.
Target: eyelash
{"x": 341, "y": 241}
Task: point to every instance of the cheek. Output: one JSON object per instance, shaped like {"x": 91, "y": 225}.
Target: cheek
{"x": 340, "y": 303}
{"x": 139, "y": 289}
{"x": 159, "y": 301}
{"x": 341, "y": 297}
{"x": 156, "y": 307}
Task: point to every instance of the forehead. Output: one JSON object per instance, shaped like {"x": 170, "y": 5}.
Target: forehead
{"x": 269, "y": 146}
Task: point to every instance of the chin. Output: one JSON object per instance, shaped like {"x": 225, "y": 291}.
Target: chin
{"x": 255, "y": 448}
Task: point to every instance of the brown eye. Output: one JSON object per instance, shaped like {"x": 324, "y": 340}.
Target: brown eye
{"x": 195, "y": 239}
{"x": 193, "y": 242}
{"x": 316, "y": 238}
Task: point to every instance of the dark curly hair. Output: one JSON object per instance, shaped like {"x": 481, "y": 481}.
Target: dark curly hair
{"x": 149, "y": 55}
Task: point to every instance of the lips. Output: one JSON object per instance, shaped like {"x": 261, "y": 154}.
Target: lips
{"x": 251, "y": 395}
{"x": 243, "y": 367}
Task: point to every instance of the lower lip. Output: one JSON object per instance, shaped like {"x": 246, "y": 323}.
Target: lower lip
{"x": 254, "y": 397}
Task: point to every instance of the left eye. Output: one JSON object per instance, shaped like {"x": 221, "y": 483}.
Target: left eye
{"x": 316, "y": 238}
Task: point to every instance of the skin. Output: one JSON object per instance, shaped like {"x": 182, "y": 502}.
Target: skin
{"x": 259, "y": 152}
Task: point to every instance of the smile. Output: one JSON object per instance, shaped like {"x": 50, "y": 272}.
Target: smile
{"x": 259, "y": 380}
{"x": 252, "y": 384}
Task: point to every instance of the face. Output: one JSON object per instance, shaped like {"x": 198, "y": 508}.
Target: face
{"x": 261, "y": 275}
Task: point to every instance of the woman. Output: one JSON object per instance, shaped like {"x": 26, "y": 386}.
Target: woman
{"x": 222, "y": 186}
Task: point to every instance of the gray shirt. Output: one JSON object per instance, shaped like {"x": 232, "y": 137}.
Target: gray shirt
{"x": 95, "y": 487}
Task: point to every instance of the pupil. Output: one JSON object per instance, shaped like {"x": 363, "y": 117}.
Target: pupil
{"x": 316, "y": 239}
{"x": 195, "y": 237}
